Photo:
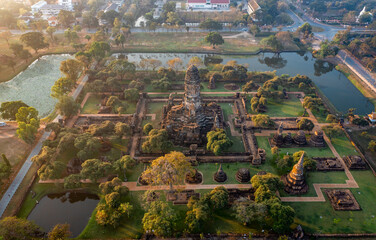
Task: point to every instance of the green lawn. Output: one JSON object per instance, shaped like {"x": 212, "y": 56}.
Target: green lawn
{"x": 291, "y": 107}
{"x": 343, "y": 145}
{"x": 320, "y": 217}
{"x": 219, "y": 87}
{"x": 92, "y": 104}
{"x": 208, "y": 170}
{"x": 227, "y": 110}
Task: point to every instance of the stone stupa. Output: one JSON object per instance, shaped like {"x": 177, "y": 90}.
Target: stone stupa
{"x": 295, "y": 182}
{"x": 220, "y": 176}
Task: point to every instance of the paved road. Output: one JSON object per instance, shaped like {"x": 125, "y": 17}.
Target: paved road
{"x": 21, "y": 174}
{"x": 355, "y": 66}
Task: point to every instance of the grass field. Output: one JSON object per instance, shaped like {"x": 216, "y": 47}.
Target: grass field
{"x": 92, "y": 105}
{"x": 343, "y": 146}
{"x": 186, "y": 42}
{"x": 362, "y": 142}
{"x": 321, "y": 218}
{"x": 291, "y": 107}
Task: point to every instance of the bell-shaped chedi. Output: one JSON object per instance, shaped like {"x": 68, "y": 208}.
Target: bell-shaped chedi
{"x": 295, "y": 182}
{"x": 278, "y": 137}
{"x": 220, "y": 176}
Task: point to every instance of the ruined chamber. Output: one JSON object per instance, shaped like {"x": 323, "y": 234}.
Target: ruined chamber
{"x": 190, "y": 121}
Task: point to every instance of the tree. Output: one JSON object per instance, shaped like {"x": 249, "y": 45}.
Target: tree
{"x": 218, "y": 141}
{"x": 71, "y": 68}
{"x": 199, "y": 212}
{"x": 9, "y": 110}
{"x": 99, "y": 50}
{"x": 67, "y": 106}
{"x": 262, "y": 120}
{"x": 210, "y": 24}
{"x": 218, "y": 198}
{"x": 72, "y": 181}
{"x": 120, "y": 40}
{"x": 122, "y": 129}
{"x": 13, "y": 228}
{"x": 147, "y": 63}
{"x": 157, "y": 142}
{"x": 87, "y": 145}
{"x": 372, "y": 146}
{"x": 365, "y": 18}
{"x": 247, "y": 211}
{"x": 147, "y": 128}
{"x": 59, "y": 232}
{"x": 16, "y": 48}
{"x": 305, "y": 124}
{"x": 35, "y": 40}
{"x": 50, "y": 31}
{"x": 6, "y": 35}
{"x": 123, "y": 164}
{"x": 214, "y": 38}
{"x": 167, "y": 170}
{"x": 112, "y": 210}
{"x": 65, "y": 18}
{"x": 122, "y": 67}
{"x": 273, "y": 43}
{"x": 283, "y": 217}
{"x": 306, "y": 29}
{"x": 249, "y": 86}
{"x": 160, "y": 219}
{"x": 197, "y": 61}
{"x": 163, "y": 84}
{"x": 94, "y": 169}
{"x": 61, "y": 87}
{"x": 70, "y": 35}
{"x": 28, "y": 123}
{"x": 175, "y": 63}
{"x": 132, "y": 94}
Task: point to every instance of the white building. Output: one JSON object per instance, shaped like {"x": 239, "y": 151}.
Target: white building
{"x": 36, "y": 7}
{"x": 141, "y": 22}
{"x": 50, "y": 10}
{"x": 67, "y": 4}
{"x": 208, "y": 4}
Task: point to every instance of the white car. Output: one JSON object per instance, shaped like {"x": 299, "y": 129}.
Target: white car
{"x": 2, "y": 124}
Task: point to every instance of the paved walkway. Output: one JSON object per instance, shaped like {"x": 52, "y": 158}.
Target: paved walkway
{"x": 132, "y": 186}
{"x": 21, "y": 174}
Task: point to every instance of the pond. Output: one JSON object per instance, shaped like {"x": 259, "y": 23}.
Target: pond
{"x": 74, "y": 208}
{"x": 33, "y": 86}
{"x": 335, "y": 85}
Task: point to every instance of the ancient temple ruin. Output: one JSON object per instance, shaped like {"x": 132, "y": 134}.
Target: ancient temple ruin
{"x": 295, "y": 182}
{"x": 317, "y": 139}
{"x": 220, "y": 176}
{"x": 355, "y": 162}
{"x": 342, "y": 200}
{"x": 190, "y": 121}
{"x": 278, "y": 137}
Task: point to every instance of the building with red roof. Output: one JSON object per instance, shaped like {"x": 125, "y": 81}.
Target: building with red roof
{"x": 208, "y": 4}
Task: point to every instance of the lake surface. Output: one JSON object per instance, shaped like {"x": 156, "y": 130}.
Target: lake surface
{"x": 33, "y": 86}
{"x": 73, "y": 208}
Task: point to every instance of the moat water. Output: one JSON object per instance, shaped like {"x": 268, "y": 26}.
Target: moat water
{"x": 33, "y": 86}
{"x": 73, "y": 208}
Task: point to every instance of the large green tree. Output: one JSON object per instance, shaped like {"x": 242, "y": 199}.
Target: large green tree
{"x": 71, "y": 69}
{"x": 94, "y": 169}
{"x": 67, "y": 106}
{"x": 122, "y": 67}
{"x": 61, "y": 87}
{"x": 214, "y": 38}
{"x": 13, "y": 228}
{"x": 59, "y": 232}
{"x": 157, "y": 142}
{"x": 35, "y": 40}
{"x": 9, "y": 110}
{"x": 28, "y": 123}
{"x": 160, "y": 219}
{"x": 87, "y": 145}
{"x": 98, "y": 50}
{"x": 218, "y": 141}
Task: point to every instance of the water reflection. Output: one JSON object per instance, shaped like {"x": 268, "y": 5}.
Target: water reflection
{"x": 276, "y": 62}
{"x": 74, "y": 208}
{"x": 322, "y": 67}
